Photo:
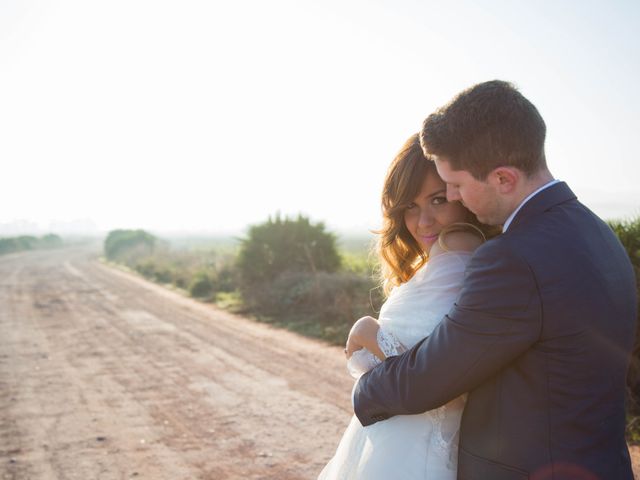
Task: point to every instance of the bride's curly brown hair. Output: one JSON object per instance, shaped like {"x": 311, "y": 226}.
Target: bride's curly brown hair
{"x": 401, "y": 256}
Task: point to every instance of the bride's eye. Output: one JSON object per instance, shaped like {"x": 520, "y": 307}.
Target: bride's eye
{"x": 439, "y": 200}
{"x": 410, "y": 206}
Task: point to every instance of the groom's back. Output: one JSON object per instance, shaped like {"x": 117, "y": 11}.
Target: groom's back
{"x": 558, "y": 409}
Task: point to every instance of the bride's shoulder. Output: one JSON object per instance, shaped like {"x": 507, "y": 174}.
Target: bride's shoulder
{"x": 463, "y": 241}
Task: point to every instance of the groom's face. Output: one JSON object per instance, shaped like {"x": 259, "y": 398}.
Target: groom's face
{"x": 478, "y": 196}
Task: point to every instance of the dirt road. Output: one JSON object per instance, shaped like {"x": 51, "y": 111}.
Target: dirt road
{"x": 105, "y": 376}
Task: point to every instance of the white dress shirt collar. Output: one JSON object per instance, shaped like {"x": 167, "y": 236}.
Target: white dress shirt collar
{"x": 515, "y": 212}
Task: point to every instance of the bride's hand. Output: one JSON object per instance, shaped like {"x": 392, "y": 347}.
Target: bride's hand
{"x": 362, "y": 335}
{"x": 351, "y": 347}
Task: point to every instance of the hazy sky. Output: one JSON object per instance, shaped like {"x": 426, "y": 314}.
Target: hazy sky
{"x": 212, "y": 115}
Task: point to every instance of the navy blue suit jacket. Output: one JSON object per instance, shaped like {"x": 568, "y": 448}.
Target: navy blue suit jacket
{"x": 540, "y": 338}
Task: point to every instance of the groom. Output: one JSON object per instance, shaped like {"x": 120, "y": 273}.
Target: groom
{"x": 541, "y": 333}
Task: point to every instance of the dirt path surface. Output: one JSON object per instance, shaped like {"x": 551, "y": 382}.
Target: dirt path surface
{"x": 106, "y": 376}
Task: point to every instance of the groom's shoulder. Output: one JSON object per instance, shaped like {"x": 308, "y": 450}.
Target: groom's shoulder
{"x": 523, "y": 243}
{"x": 526, "y": 242}
{"x": 499, "y": 252}
{"x": 552, "y": 238}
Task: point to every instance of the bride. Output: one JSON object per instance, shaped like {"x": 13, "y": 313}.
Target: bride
{"x": 424, "y": 246}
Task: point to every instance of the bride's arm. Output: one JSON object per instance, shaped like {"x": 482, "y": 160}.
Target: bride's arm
{"x": 364, "y": 334}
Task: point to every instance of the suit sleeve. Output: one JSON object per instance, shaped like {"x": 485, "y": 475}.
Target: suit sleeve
{"x": 496, "y": 318}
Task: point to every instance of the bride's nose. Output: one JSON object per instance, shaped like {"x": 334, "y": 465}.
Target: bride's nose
{"x": 426, "y": 218}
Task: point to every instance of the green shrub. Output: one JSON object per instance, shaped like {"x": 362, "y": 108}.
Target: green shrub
{"x": 321, "y": 304}
{"x": 8, "y": 245}
{"x": 290, "y": 273}
{"x": 189, "y": 270}
{"x": 226, "y": 278}
{"x": 50, "y": 240}
{"x": 361, "y": 263}
{"x": 128, "y": 245}
{"x": 201, "y": 286}
{"x": 28, "y": 242}
{"x": 629, "y": 234}
{"x": 146, "y": 267}
{"x": 284, "y": 245}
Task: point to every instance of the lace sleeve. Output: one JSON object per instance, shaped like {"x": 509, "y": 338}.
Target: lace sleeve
{"x": 389, "y": 344}
{"x": 361, "y": 362}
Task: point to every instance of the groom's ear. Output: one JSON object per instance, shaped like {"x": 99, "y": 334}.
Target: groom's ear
{"x": 505, "y": 179}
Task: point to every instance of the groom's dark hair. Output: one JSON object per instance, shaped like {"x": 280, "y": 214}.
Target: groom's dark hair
{"x": 487, "y": 126}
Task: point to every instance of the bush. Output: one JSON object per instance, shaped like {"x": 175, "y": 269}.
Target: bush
{"x": 28, "y": 242}
{"x": 201, "y": 273}
{"x": 50, "y": 241}
{"x": 629, "y": 234}
{"x": 128, "y": 245}
{"x": 16, "y": 244}
{"x": 201, "y": 286}
{"x": 284, "y": 245}
{"x": 159, "y": 268}
{"x": 290, "y": 274}
{"x": 321, "y": 304}
{"x": 226, "y": 279}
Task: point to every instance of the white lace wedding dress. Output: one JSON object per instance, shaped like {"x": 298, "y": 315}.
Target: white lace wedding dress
{"x": 407, "y": 447}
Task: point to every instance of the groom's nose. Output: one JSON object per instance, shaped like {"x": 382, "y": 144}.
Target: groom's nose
{"x": 453, "y": 193}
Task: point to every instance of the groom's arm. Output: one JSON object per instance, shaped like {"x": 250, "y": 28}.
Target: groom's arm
{"x": 496, "y": 318}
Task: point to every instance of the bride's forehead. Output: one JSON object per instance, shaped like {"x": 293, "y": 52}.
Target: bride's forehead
{"x": 431, "y": 185}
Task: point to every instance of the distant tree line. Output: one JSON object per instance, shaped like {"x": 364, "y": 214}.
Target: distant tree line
{"x": 28, "y": 242}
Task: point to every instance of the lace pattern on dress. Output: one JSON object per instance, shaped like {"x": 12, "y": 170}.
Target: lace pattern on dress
{"x": 445, "y": 433}
{"x": 389, "y": 343}
{"x": 437, "y": 417}
{"x": 363, "y": 360}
